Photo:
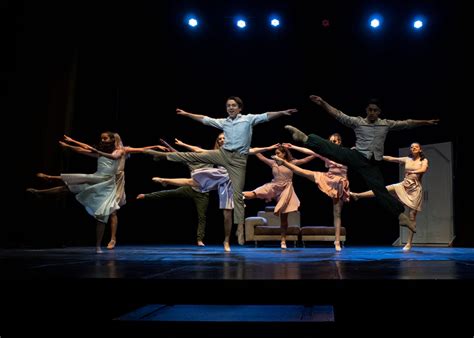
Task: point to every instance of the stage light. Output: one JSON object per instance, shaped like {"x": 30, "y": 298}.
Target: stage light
{"x": 417, "y": 24}
{"x": 275, "y": 22}
{"x": 241, "y": 23}
{"x": 374, "y": 23}
{"x": 192, "y": 22}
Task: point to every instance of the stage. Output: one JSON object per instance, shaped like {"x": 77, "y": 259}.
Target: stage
{"x": 361, "y": 284}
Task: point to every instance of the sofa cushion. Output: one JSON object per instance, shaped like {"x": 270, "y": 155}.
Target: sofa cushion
{"x": 321, "y": 231}
{"x": 275, "y": 230}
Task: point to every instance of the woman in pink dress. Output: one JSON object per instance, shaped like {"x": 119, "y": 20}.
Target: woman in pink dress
{"x": 409, "y": 191}
{"x": 333, "y": 182}
{"x": 280, "y": 188}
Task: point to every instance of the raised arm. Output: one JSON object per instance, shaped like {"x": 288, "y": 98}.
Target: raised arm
{"x": 265, "y": 160}
{"x": 195, "y": 117}
{"x": 275, "y": 114}
{"x": 326, "y": 106}
{"x": 188, "y": 146}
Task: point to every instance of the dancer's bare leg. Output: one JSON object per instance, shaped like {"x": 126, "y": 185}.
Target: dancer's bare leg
{"x": 179, "y": 182}
{"x": 368, "y": 194}
{"x": 227, "y": 228}
{"x": 51, "y": 191}
{"x": 48, "y": 177}
{"x": 412, "y": 216}
{"x": 99, "y": 234}
{"x": 113, "y": 230}
{"x": 336, "y": 210}
{"x": 283, "y": 229}
{"x": 249, "y": 195}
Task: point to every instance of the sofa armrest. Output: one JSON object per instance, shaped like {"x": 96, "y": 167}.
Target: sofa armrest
{"x": 250, "y": 224}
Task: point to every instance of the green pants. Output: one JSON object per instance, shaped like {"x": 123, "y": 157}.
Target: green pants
{"x": 234, "y": 162}
{"x": 368, "y": 169}
{"x": 201, "y": 200}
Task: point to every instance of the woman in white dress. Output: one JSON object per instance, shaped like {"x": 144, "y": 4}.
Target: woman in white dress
{"x": 103, "y": 192}
{"x": 410, "y": 190}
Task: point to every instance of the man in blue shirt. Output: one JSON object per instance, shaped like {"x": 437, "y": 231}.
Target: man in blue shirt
{"x": 233, "y": 154}
{"x": 367, "y": 155}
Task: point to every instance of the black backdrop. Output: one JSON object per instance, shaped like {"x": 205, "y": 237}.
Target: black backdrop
{"x": 80, "y": 69}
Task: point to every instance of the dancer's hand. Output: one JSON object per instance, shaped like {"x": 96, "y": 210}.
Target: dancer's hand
{"x": 141, "y": 197}
{"x": 316, "y": 99}
{"x": 181, "y": 112}
{"x": 287, "y": 145}
{"x": 289, "y": 111}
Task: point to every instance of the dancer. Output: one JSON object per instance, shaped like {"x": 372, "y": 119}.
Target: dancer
{"x": 410, "y": 190}
{"x": 280, "y": 188}
{"x": 333, "y": 182}
{"x": 200, "y": 198}
{"x": 365, "y": 158}
{"x": 207, "y": 179}
{"x": 233, "y": 154}
{"x": 103, "y": 192}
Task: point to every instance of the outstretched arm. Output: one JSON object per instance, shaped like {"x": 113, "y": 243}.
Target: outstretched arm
{"x": 258, "y": 150}
{"x": 133, "y": 150}
{"x": 394, "y": 159}
{"x": 326, "y": 106}
{"x": 275, "y": 114}
{"x": 418, "y": 123}
{"x": 80, "y": 144}
{"x": 265, "y": 160}
{"x": 78, "y": 149}
{"x": 188, "y": 146}
{"x": 195, "y": 117}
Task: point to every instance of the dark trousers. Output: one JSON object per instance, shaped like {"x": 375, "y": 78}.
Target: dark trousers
{"x": 368, "y": 169}
{"x": 201, "y": 200}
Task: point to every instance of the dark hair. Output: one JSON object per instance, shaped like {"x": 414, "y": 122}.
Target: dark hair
{"x": 422, "y": 154}
{"x": 107, "y": 147}
{"x": 238, "y": 100}
{"x": 288, "y": 156}
{"x": 375, "y": 101}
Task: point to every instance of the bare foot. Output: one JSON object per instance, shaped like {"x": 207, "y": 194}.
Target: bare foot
{"x": 159, "y": 180}
{"x": 98, "y": 250}
{"x": 297, "y": 134}
{"x": 283, "y": 245}
{"x": 226, "y": 247}
{"x": 200, "y": 243}
{"x": 111, "y": 244}
{"x": 337, "y": 245}
{"x": 407, "y": 247}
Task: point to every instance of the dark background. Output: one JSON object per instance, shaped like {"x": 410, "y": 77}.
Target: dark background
{"x": 80, "y": 68}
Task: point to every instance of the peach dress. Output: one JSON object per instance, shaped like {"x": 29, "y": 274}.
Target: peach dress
{"x": 334, "y": 182}
{"x": 410, "y": 191}
{"x": 280, "y": 189}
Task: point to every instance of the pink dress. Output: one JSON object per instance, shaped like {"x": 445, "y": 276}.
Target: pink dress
{"x": 334, "y": 182}
{"x": 410, "y": 191}
{"x": 280, "y": 189}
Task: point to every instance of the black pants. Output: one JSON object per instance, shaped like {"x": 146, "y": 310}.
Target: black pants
{"x": 368, "y": 169}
